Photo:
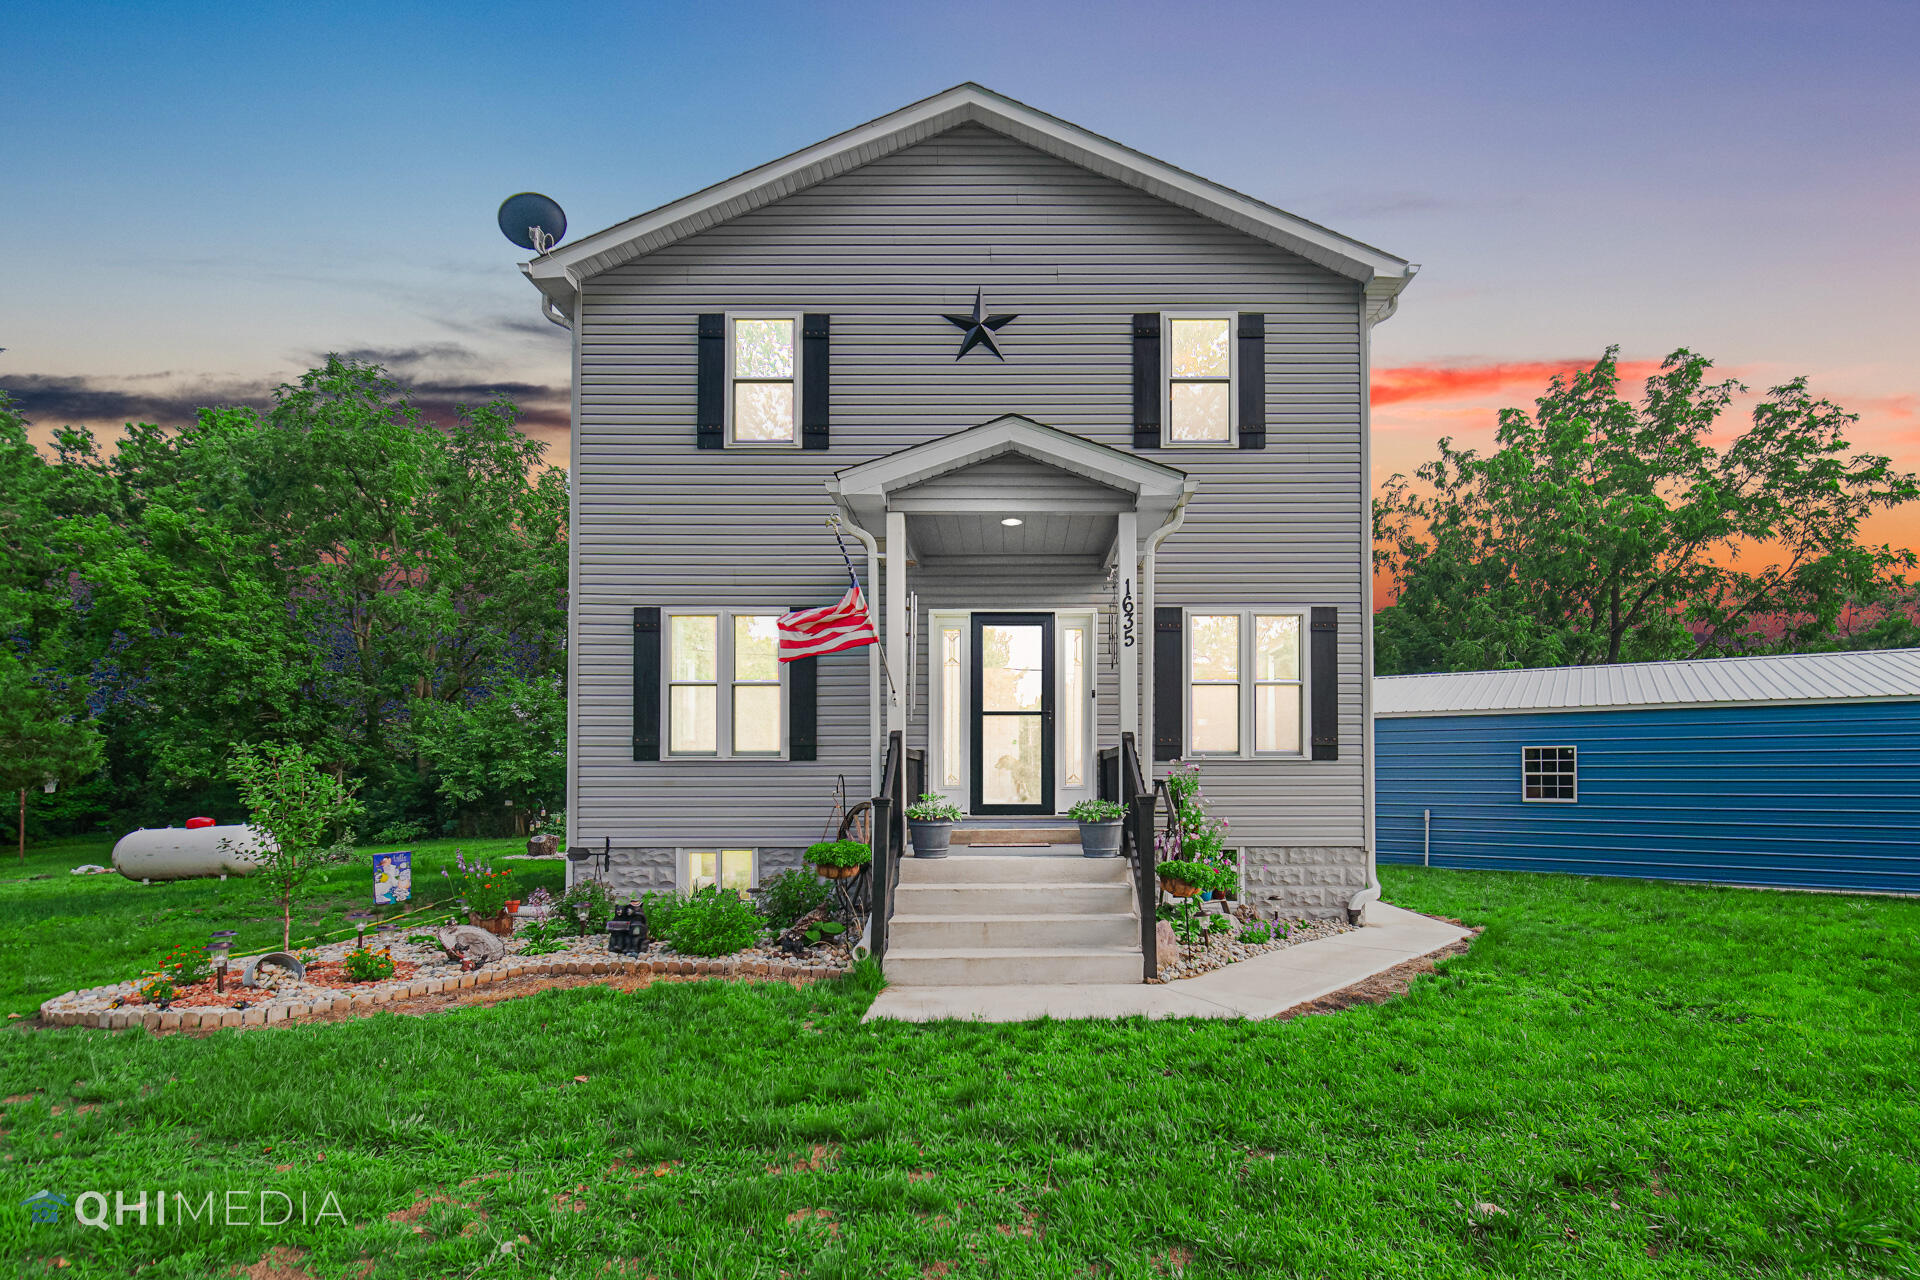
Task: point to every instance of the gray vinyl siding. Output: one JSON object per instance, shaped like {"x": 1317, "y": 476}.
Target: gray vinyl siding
{"x": 884, "y": 250}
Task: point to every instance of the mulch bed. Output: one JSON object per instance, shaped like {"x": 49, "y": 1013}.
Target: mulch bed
{"x": 1382, "y": 986}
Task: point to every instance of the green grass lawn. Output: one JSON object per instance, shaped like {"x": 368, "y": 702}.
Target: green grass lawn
{"x": 60, "y": 932}
{"x": 1645, "y": 1079}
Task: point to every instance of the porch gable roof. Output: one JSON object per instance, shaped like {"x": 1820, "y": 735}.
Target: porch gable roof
{"x": 1156, "y": 491}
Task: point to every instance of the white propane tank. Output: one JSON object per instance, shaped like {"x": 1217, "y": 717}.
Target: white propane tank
{"x": 182, "y": 853}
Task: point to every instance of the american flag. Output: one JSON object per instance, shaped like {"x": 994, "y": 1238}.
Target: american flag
{"x": 807, "y": 633}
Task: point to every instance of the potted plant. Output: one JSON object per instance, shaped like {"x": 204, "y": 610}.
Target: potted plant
{"x": 839, "y": 859}
{"x": 1100, "y": 827}
{"x": 485, "y": 893}
{"x": 1184, "y": 879}
{"x": 930, "y": 821}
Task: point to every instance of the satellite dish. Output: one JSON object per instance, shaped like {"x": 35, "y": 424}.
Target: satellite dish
{"x": 532, "y": 221}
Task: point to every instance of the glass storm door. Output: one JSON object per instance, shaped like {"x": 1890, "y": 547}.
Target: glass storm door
{"x": 1012, "y": 748}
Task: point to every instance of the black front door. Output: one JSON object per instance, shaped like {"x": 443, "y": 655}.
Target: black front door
{"x": 1012, "y": 713}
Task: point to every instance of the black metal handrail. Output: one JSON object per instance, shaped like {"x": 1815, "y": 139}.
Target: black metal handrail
{"x": 1137, "y": 845}
{"x": 889, "y": 841}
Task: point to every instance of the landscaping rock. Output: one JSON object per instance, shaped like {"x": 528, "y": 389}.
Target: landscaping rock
{"x": 471, "y": 946}
{"x": 1166, "y": 944}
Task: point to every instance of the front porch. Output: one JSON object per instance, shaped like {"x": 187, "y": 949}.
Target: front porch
{"x": 1015, "y": 568}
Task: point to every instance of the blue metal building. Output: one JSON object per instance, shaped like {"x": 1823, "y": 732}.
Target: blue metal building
{"x": 1797, "y": 771}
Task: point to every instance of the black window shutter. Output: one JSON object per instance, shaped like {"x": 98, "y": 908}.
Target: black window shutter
{"x": 1253, "y": 380}
{"x": 1323, "y": 654}
{"x": 803, "y": 704}
{"x": 1169, "y": 668}
{"x": 646, "y": 682}
{"x": 814, "y": 383}
{"x": 710, "y": 407}
{"x": 1146, "y": 380}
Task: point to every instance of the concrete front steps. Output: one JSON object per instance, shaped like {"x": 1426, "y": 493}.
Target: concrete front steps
{"x": 981, "y": 919}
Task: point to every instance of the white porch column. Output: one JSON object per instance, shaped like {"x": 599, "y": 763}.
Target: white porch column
{"x": 1126, "y": 556}
{"x": 896, "y": 634}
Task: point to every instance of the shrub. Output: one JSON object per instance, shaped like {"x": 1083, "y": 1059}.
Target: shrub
{"x": 157, "y": 988}
{"x": 788, "y": 896}
{"x": 1097, "y": 811}
{"x": 586, "y": 907}
{"x": 660, "y": 909}
{"x": 933, "y": 808}
{"x": 400, "y": 833}
{"x": 187, "y": 965}
{"x": 840, "y": 853}
{"x": 714, "y": 922}
{"x": 363, "y": 965}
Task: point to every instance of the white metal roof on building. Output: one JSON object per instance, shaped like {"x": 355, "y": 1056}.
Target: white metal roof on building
{"x": 1796, "y": 677}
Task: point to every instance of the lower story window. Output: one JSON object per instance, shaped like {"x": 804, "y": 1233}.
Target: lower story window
{"x": 1246, "y": 686}
{"x": 725, "y": 685}
{"x": 1550, "y": 773}
{"x": 735, "y": 869}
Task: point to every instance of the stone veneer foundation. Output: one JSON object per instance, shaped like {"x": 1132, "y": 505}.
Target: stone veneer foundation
{"x": 1312, "y": 882}
{"x": 636, "y": 869}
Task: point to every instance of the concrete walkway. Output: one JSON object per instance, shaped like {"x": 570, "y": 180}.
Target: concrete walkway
{"x": 1258, "y": 988}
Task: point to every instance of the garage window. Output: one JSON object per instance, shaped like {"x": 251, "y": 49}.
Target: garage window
{"x": 1550, "y": 775}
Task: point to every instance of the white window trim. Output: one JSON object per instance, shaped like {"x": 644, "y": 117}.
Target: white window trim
{"x": 683, "y": 865}
{"x": 1549, "y": 746}
{"x": 1249, "y": 728}
{"x": 723, "y": 684}
{"x": 1232, "y": 439}
{"x": 799, "y": 336}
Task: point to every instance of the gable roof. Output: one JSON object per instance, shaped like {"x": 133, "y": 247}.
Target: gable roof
{"x": 558, "y": 274}
{"x": 1873, "y": 674}
{"x": 1156, "y": 490}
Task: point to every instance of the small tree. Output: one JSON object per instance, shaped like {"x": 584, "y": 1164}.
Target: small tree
{"x": 38, "y": 744}
{"x": 297, "y": 806}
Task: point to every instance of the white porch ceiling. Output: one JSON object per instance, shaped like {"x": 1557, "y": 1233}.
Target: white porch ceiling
{"x": 1080, "y": 533}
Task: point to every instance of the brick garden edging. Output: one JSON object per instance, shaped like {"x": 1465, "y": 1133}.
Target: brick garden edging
{"x": 58, "y": 1012}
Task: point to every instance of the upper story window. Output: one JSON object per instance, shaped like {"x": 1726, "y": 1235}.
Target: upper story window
{"x": 1244, "y": 670}
{"x": 725, "y": 685}
{"x": 1199, "y": 395}
{"x": 1550, "y": 774}
{"x": 763, "y": 382}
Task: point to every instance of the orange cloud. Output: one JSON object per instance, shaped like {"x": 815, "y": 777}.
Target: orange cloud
{"x": 1457, "y": 382}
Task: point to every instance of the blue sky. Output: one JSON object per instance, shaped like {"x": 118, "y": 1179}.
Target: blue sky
{"x": 205, "y": 197}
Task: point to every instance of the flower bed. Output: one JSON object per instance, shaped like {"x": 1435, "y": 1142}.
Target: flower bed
{"x": 420, "y": 969}
{"x": 1223, "y": 948}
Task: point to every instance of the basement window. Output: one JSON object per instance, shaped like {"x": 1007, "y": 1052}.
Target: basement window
{"x": 1550, "y": 775}
{"x": 735, "y": 869}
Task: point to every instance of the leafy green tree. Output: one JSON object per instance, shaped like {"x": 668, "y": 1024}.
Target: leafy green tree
{"x": 302, "y": 810}
{"x": 40, "y": 742}
{"x": 507, "y": 747}
{"x": 310, "y": 574}
{"x": 1599, "y": 530}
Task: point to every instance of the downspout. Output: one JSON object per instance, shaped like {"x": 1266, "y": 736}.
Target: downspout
{"x": 1148, "y": 595}
{"x": 873, "y": 654}
{"x": 1357, "y": 904}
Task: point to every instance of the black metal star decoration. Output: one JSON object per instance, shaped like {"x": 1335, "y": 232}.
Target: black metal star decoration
{"x": 980, "y": 328}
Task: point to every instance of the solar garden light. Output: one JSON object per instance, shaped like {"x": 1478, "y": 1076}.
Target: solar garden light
{"x": 217, "y": 948}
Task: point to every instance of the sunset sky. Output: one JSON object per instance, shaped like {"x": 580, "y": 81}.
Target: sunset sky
{"x": 206, "y": 199}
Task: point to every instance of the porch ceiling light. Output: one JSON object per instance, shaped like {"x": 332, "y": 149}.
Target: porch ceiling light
{"x": 1012, "y": 522}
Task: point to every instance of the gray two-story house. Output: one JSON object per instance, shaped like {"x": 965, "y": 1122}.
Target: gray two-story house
{"x": 1095, "y": 432}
